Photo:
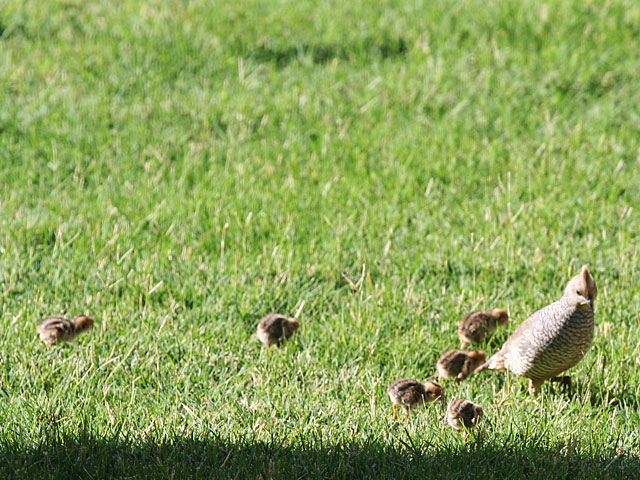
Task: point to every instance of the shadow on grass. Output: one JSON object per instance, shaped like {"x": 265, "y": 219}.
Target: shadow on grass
{"x": 90, "y": 457}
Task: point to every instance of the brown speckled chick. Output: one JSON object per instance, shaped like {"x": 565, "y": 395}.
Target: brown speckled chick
{"x": 409, "y": 393}
{"x": 463, "y": 414}
{"x": 53, "y": 329}
{"x": 459, "y": 364}
{"x": 554, "y": 338}
{"x": 274, "y": 329}
{"x": 475, "y": 326}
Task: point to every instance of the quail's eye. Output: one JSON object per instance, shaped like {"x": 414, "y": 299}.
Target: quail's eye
{"x": 579, "y": 292}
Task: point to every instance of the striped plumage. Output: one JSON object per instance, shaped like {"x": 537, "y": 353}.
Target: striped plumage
{"x": 54, "y": 329}
{"x": 463, "y": 414}
{"x": 554, "y": 338}
{"x": 458, "y": 364}
{"x": 274, "y": 329}
{"x": 475, "y": 326}
{"x": 409, "y": 393}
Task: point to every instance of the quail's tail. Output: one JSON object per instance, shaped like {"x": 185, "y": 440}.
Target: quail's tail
{"x": 494, "y": 363}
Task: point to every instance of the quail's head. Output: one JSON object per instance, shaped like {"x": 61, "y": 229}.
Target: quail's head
{"x": 478, "y": 356}
{"x": 433, "y": 391}
{"x": 501, "y": 316}
{"x": 294, "y": 323}
{"x": 82, "y": 323}
{"x": 581, "y": 290}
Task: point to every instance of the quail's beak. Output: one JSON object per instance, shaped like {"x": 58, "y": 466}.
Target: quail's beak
{"x": 586, "y": 301}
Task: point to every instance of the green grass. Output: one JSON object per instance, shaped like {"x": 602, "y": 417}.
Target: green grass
{"x": 179, "y": 169}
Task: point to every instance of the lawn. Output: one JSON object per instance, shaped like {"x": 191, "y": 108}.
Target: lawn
{"x": 178, "y": 169}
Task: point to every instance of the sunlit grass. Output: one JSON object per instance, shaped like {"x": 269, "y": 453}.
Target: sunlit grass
{"x": 179, "y": 169}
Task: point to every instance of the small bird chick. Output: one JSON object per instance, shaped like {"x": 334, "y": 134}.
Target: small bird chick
{"x": 475, "y": 326}
{"x": 54, "y": 329}
{"x": 274, "y": 329}
{"x": 409, "y": 393}
{"x": 463, "y": 414}
{"x": 459, "y": 364}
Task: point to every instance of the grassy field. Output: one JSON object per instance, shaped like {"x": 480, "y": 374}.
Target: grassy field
{"x": 178, "y": 169}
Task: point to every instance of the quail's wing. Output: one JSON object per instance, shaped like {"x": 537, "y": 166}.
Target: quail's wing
{"x": 55, "y": 324}
{"x": 531, "y": 331}
{"x": 454, "y": 359}
{"x": 410, "y": 394}
{"x": 411, "y": 391}
{"x": 272, "y": 324}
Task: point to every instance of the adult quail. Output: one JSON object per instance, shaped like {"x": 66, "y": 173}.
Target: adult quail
{"x": 475, "y": 326}
{"x": 274, "y": 329}
{"x": 553, "y": 339}
{"x": 53, "y": 329}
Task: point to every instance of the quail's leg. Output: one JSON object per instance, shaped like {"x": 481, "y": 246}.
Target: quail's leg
{"x": 395, "y": 411}
{"x": 406, "y": 412}
{"x": 564, "y": 380}
{"x": 268, "y": 346}
{"x": 569, "y": 385}
{"x": 534, "y": 386}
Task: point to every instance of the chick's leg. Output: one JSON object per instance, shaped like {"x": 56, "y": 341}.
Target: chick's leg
{"x": 406, "y": 412}
{"x": 395, "y": 411}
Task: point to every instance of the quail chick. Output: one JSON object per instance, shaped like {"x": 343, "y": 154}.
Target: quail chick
{"x": 274, "y": 329}
{"x": 463, "y": 414}
{"x": 552, "y": 339}
{"x": 53, "y": 329}
{"x": 475, "y": 326}
{"x": 459, "y": 364}
{"x": 409, "y": 393}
